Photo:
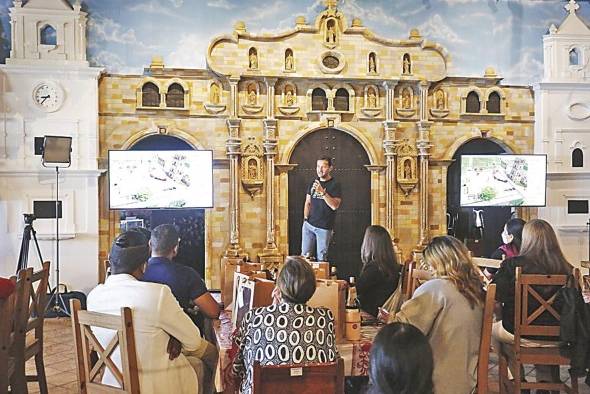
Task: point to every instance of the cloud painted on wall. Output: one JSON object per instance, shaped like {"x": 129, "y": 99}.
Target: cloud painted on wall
{"x": 504, "y": 34}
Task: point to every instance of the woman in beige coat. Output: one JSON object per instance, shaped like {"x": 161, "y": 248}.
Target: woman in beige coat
{"x": 448, "y": 309}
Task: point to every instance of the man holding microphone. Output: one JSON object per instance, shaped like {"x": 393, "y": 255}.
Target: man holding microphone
{"x": 323, "y": 198}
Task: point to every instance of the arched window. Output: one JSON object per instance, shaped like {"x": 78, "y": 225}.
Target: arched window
{"x": 48, "y": 35}
{"x": 472, "y": 105}
{"x": 289, "y": 60}
{"x": 574, "y": 57}
{"x": 319, "y": 101}
{"x": 150, "y": 95}
{"x": 493, "y": 103}
{"x": 577, "y": 158}
{"x": 372, "y": 62}
{"x": 175, "y": 96}
{"x": 341, "y": 100}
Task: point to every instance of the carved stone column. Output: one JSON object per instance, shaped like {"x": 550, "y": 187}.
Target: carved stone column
{"x": 233, "y": 91}
{"x": 423, "y": 145}
{"x": 234, "y": 148}
{"x": 270, "y": 254}
{"x": 389, "y": 143}
{"x": 270, "y": 97}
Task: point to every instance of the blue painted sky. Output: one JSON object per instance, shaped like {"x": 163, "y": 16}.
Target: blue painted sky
{"x": 505, "y": 34}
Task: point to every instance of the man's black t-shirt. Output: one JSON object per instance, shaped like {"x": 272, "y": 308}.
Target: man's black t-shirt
{"x": 321, "y": 215}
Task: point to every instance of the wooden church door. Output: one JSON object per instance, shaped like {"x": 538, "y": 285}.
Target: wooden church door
{"x": 354, "y": 215}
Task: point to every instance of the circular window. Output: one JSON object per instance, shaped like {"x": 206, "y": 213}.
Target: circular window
{"x": 331, "y": 62}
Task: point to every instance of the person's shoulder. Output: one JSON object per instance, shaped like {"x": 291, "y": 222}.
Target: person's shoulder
{"x": 320, "y": 311}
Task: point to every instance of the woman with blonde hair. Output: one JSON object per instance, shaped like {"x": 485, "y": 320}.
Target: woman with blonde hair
{"x": 539, "y": 254}
{"x": 448, "y": 309}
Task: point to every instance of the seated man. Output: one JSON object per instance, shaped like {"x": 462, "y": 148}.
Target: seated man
{"x": 186, "y": 284}
{"x": 161, "y": 328}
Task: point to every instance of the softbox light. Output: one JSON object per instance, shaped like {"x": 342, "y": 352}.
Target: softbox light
{"x": 57, "y": 150}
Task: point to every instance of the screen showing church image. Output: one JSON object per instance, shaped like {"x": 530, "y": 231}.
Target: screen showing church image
{"x": 503, "y": 180}
{"x": 160, "y": 179}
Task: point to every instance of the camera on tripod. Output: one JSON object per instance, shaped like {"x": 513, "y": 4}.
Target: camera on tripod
{"x": 29, "y": 218}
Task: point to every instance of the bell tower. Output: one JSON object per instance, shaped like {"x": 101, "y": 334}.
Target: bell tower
{"x": 47, "y": 32}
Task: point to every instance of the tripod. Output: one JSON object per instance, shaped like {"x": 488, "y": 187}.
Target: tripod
{"x": 59, "y": 304}
{"x": 28, "y": 232}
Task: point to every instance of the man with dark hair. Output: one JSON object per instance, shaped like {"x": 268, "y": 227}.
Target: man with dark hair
{"x": 186, "y": 284}
{"x": 161, "y": 327}
{"x": 324, "y": 197}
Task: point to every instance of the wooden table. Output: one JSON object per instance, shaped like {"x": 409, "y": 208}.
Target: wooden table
{"x": 355, "y": 354}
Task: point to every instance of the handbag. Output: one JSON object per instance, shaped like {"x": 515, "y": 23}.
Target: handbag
{"x": 394, "y": 303}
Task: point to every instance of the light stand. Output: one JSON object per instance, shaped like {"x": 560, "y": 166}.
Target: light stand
{"x": 57, "y": 152}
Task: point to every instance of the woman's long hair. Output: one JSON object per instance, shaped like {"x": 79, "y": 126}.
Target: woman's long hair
{"x": 377, "y": 248}
{"x": 541, "y": 248}
{"x": 400, "y": 361}
{"x": 450, "y": 259}
{"x": 514, "y": 227}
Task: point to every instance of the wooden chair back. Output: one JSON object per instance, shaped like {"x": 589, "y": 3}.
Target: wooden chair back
{"x": 485, "y": 341}
{"x": 524, "y": 324}
{"x": 415, "y": 277}
{"x": 35, "y": 318}
{"x": 105, "y": 270}
{"x": 16, "y": 325}
{"x": 7, "y": 311}
{"x": 89, "y": 374}
{"x": 299, "y": 379}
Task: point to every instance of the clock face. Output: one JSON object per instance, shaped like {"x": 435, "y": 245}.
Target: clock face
{"x": 48, "y": 96}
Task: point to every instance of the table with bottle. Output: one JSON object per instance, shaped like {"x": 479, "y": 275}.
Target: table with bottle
{"x": 354, "y": 347}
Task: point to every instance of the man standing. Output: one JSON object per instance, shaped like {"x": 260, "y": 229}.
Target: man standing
{"x": 323, "y": 198}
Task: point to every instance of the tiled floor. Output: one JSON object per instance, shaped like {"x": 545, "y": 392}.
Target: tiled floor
{"x": 61, "y": 373}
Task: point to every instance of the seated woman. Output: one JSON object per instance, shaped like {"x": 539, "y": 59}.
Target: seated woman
{"x": 289, "y": 332}
{"x": 448, "y": 309}
{"x": 400, "y": 361}
{"x": 540, "y": 254}
{"x": 381, "y": 271}
{"x": 511, "y": 239}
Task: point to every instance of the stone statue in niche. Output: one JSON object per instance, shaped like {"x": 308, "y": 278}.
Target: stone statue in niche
{"x": 439, "y": 97}
{"x": 289, "y": 98}
{"x": 406, "y": 99}
{"x": 407, "y": 64}
{"x": 215, "y": 95}
{"x": 372, "y": 63}
{"x": 253, "y": 59}
{"x": 252, "y": 171}
{"x": 407, "y": 177}
{"x": 252, "y": 95}
{"x": 331, "y": 32}
{"x": 372, "y": 98}
{"x": 289, "y": 60}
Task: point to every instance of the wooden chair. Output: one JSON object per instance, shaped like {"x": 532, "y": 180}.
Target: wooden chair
{"x": 105, "y": 270}
{"x": 415, "y": 277}
{"x": 13, "y": 333}
{"x": 483, "y": 359}
{"x": 299, "y": 379}
{"x": 33, "y": 328}
{"x": 89, "y": 373}
{"x": 524, "y": 324}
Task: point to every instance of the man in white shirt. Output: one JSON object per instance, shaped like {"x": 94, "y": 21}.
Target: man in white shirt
{"x": 171, "y": 353}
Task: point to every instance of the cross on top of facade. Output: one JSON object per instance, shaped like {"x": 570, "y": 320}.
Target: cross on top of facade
{"x": 331, "y": 3}
{"x": 571, "y": 7}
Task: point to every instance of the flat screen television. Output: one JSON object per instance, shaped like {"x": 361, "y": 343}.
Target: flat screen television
{"x": 503, "y": 180}
{"x": 160, "y": 179}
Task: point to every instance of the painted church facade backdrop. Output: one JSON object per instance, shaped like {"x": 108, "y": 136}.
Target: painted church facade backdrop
{"x": 262, "y": 95}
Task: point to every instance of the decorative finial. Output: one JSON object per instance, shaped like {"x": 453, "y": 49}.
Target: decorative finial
{"x": 572, "y": 7}
{"x": 331, "y": 4}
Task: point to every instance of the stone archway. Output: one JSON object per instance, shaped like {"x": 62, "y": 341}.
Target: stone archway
{"x": 494, "y": 217}
{"x": 354, "y": 215}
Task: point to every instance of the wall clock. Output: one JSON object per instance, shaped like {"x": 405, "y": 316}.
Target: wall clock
{"x": 48, "y": 96}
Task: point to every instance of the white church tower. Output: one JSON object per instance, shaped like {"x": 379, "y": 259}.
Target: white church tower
{"x": 48, "y": 88}
{"x": 562, "y": 131}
